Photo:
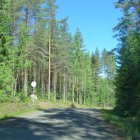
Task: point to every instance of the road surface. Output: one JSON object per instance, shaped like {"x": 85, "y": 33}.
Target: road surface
{"x": 59, "y": 124}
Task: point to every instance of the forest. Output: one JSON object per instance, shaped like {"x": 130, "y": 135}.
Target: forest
{"x": 36, "y": 46}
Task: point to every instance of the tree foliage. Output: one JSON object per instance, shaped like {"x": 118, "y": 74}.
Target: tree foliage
{"x": 35, "y": 45}
{"x": 128, "y": 77}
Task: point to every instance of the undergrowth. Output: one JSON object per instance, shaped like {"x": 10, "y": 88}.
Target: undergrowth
{"x": 129, "y": 125}
{"x": 11, "y": 109}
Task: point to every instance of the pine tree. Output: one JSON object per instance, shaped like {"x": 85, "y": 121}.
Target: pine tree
{"x": 96, "y": 64}
{"x": 127, "y": 91}
{"x": 77, "y": 62}
{"x": 6, "y": 51}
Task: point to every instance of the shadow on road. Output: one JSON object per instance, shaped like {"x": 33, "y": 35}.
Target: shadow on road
{"x": 58, "y": 124}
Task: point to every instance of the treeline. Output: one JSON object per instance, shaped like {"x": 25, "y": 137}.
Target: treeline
{"x": 35, "y": 45}
{"x": 128, "y": 78}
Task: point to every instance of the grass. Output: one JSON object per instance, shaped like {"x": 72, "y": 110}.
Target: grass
{"x": 129, "y": 126}
{"x": 59, "y": 104}
{"x": 13, "y": 109}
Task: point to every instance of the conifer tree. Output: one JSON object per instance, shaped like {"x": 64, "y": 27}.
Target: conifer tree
{"x": 127, "y": 91}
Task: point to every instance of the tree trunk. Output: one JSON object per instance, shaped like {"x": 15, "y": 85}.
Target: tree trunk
{"x": 60, "y": 88}
{"x": 73, "y": 91}
{"x": 49, "y": 74}
{"x": 25, "y": 70}
{"x": 27, "y": 13}
{"x": 54, "y": 83}
{"x": 77, "y": 91}
{"x": 84, "y": 97}
{"x": 80, "y": 98}
{"x": 25, "y": 81}
{"x": 42, "y": 80}
{"x": 64, "y": 88}
{"x": 15, "y": 86}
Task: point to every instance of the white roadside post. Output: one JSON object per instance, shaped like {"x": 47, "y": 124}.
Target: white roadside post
{"x": 33, "y": 96}
{"x": 33, "y": 84}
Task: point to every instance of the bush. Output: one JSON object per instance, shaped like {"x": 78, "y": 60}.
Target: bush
{"x": 22, "y": 98}
{"x": 5, "y": 98}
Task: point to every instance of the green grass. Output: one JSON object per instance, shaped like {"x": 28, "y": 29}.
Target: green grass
{"x": 129, "y": 126}
{"x": 13, "y": 109}
{"x": 59, "y": 104}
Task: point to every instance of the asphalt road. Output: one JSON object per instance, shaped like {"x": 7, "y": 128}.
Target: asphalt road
{"x": 59, "y": 124}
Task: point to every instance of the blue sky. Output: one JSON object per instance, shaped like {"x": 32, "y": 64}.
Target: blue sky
{"x": 94, "y": 18}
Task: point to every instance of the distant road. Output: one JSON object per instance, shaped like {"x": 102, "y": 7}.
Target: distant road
{"x": 59, "y": 124}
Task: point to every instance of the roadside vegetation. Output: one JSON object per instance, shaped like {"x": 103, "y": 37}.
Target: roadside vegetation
{"x": 129, "y": 126}
{"x": 126, "y": 113}
{"x": 13, "y": 109}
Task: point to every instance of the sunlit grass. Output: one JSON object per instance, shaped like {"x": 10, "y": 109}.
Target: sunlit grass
{"x": 13, "y": 109}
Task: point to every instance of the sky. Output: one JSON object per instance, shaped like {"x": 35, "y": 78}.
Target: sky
{"x": 94, "y": 18}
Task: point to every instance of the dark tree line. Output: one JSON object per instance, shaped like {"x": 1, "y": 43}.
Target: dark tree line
{"x": 128, "y": 78}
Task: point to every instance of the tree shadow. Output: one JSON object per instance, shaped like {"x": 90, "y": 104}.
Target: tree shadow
{"x": 58, "y": 124}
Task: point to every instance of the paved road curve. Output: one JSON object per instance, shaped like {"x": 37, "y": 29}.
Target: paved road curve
{"x": 58, "y": 124}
